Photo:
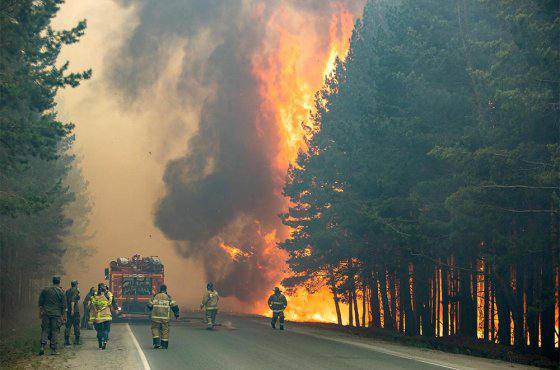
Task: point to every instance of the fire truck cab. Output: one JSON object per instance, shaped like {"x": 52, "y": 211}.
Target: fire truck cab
{"x": 133, "y": 281}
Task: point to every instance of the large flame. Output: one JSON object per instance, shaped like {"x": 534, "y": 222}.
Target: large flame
{"x": 292, "y": 68}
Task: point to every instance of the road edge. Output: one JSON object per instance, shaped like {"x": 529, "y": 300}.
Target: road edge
{"x": 143, "y": 358}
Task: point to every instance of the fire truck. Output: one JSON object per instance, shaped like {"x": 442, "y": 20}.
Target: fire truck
{"x": 133, "y": 281}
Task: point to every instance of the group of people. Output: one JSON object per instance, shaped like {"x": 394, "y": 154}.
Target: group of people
{"x": 58, "y": 307}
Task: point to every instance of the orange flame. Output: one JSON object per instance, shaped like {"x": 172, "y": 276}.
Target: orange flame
{"x": 297, "y": 58}
{"x": 235, "y": 253}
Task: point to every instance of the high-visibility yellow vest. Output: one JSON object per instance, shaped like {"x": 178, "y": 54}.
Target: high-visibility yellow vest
{"x": 100, "y": 308}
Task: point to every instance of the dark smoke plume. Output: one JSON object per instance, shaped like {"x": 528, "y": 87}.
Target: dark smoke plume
{"x": 225, "y": 189}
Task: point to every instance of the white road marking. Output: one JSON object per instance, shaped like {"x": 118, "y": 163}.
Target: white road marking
{"x": 140, "y": 352}
{"x": 377, "y": 349}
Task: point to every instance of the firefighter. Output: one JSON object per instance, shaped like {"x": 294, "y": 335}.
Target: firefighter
{"x": 72, "y": 313}
{"x": 85, "y": 318}
{"x": 114, "y": 308}
{"x": 210, "y": 303}
{"x": 277, "y": 303}
{"x": 160, "y": 306}
{"x": 100, "y": 313}
{"x": 52, "y": 305}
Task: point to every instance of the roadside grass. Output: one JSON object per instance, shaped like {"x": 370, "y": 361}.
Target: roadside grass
{"x": 16, "y": 347}
{"x": 19, "y": 349}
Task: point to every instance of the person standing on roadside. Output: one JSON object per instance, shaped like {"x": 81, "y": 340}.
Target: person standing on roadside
{"x": 52, "y": 306}
{"x": 72, "y": 313}
{"x": 210, "y": 303}
{"x": 100, "y": 314}
{"x": 85, "y": 318}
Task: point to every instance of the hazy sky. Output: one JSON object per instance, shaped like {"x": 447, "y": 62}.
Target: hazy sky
{"x": 124, "y": 151}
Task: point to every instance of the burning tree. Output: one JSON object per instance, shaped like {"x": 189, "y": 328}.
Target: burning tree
{"x": 430, "y": 189}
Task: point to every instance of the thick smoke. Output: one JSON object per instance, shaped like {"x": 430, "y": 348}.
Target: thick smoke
{"x": 225, "y": 189}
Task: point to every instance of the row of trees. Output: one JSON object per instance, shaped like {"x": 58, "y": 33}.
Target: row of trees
{"x": 430, "y": 191}
{"x": 40, "y": 218}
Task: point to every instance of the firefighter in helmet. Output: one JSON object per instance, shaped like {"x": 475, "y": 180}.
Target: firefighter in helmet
{"x": 210, "y": 303}
{"x": 100, "y": 313}
{"x": 160, "y": 306}
{"x": 277, "y": 303}
{"x": 72, "y": 313}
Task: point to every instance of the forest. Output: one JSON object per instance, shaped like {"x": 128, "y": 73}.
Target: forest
{"x": 43, "y": 205}
{"x": 428, "y": 198}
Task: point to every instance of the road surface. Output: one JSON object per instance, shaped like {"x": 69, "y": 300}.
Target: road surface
{"x": 250, "y": 343}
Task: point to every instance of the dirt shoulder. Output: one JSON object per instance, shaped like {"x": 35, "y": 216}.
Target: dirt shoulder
{"x": 121, "y": 353}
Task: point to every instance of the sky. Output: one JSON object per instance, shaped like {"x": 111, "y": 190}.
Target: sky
{"x": 122, "y": 152}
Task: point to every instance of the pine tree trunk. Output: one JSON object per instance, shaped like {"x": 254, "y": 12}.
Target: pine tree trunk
{"x": 445, "y": 300}
{"x": 486, "y": 301}
{"x": 519, "y": 327}
{"x": 350, "y": 315}
{"x": 364, "y": 300}
{"x": 467, "y": 304}
{"x": 411, "y": 327}
{"x": 355, "y": 304}
{"x": 388, "y": 320}
{"x": 374, "y": 301}
{"x": 504, "y": 322}
{"x": 334, "y": 291}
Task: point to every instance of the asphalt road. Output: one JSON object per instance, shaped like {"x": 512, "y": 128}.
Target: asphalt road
{"x": 247, "y": 343}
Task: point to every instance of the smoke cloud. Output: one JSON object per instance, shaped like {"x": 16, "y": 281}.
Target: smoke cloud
{"x": 222, "y": 194}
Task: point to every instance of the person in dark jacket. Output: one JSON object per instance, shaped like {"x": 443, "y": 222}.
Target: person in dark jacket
{"x": 72, "y": 313}
{"x": 85, "y": 317}
{"x": 52, "y": 306}
{"x": 277, "y": 303}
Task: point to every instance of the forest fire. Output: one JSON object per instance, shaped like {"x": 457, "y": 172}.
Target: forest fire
{"x": 292, "y": 68}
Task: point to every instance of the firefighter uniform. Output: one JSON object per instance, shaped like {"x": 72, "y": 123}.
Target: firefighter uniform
{"x": 277, "y": 303}
{"x": 52, "y": 305}
{"x": 100, "y": 315}
{"x": 161, "y": 305}
{"x": 210, "y": 304}
{"x": 72, "y": 314}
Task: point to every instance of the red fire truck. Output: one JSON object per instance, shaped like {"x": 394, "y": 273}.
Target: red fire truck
{"x": 133, "y": 281}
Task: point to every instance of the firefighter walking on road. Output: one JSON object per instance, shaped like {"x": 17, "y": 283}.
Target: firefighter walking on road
{"x": 277, "y": 303}
{"x": 100, "y": 314}
{"x": 160, "y": 306}
{"x": 52, "y": 306}
{"x": 72, "y": 313}
{"x": 210, "y": 303}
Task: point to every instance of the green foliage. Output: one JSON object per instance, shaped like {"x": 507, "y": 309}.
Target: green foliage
{"x": 439, "y": 138}
{"x": 39, "y": 218}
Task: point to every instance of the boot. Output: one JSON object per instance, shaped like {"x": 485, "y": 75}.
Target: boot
{"x": 273, "y": 325}
{"x": 66, "y": 340}
{"x": 54, "y": 351}
{"x": 77, "y": 341}
{"x": 281, "y": 326}
{"x": 42, "y": 350}
{"x": 156, "y": 343}
{"x": 100, "y": 342}
{"x": 164, "y": 344}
